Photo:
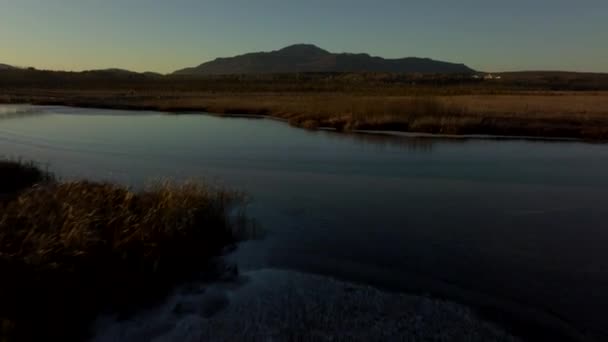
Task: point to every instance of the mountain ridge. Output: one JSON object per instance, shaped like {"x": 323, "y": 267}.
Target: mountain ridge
{"x": 311, "y": 58}
{"x": 7, "y": 67}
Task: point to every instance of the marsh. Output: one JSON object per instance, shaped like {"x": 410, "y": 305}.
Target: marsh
{"x": 511, "y": 227}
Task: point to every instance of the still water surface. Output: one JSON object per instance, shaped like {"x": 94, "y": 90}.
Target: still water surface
{"x": 515, "y": 227}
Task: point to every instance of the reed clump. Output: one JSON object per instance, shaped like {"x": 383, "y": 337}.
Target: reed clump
{"x": 73, "y": 249}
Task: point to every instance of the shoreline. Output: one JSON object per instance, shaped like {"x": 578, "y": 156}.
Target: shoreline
{"x": 286, "y": 305}
{"x": 253, "y": 115}
{"x": 529, "y": 322}
{"x": 451, "y": 112}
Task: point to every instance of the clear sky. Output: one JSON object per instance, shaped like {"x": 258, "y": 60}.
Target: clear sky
{"x": 164, "y": 35}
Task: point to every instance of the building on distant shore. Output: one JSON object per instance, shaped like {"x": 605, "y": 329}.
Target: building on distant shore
{"x": 491, "y": 77}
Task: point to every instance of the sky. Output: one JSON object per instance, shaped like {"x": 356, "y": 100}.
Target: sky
{"x": 165, "y": 35}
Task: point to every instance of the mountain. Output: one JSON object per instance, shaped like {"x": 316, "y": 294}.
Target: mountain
{"x": 112, "y": 71}
{"x": 152, "y": 74}
{"x": 310, "y": 58}
{"x": 121, "y": 73}
{"x": 6, "y": 67}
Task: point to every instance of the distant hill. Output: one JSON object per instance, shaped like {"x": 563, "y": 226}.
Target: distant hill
{"x": 6, "y": 67}
{"x": 152, "y": 74}
{"x": 121, "y": 73}
{"x": 112, "y": 71}
{"x": 310, "y": 58}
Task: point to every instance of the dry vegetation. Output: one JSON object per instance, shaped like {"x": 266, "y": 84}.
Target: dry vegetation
{"x": 546, "y": 114}
{"x": 523, "y": 104}
{"x": 70, "y": 250}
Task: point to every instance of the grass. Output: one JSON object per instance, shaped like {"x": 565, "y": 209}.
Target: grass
{"x": 574, "y": 115}
{"x": 71, "y": 250}
{"x": 536, "y": 104}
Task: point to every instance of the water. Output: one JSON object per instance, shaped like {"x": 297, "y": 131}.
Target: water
{"x": 512, "y": 227}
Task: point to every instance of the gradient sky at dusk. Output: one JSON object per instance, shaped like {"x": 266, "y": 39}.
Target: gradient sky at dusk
{"x": 162, "y": 35}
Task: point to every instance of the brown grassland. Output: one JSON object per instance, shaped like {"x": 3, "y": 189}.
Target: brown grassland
{"x": 528, "y": 104}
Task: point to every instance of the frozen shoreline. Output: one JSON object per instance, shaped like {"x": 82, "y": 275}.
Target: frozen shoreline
{"x": 278, "y": 305}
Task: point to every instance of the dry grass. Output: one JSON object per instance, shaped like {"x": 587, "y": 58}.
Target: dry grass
{"x": 70, "y": 250}
{"x": 574, "y": 115}
{"x": 528, "y": 113}
{"x": 61, "y": 224}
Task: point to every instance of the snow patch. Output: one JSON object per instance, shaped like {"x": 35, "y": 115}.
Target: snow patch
{"x": 277, "y": 305}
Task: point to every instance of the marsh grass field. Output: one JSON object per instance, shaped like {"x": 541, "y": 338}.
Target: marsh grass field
{"x": 563, "y": 105}
{"x": 70, "y": 250}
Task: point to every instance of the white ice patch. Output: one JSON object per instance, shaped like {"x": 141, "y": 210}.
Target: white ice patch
{"x": 275, "y": 305}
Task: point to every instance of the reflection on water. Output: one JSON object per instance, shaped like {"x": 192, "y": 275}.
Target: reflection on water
{"x": 389, "y": 141}
{"x": 515, "y": 223}
{"x": 18, "y": 111}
